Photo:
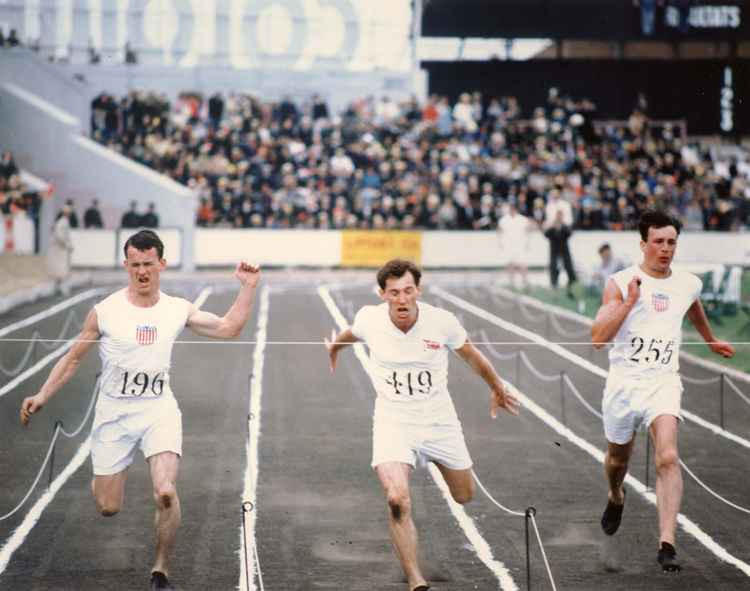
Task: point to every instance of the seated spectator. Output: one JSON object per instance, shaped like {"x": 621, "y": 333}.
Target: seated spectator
{"x": 92, "y": 217}
{"x": 150, "y": 219}
{"x": 72, "y": 215}
{"x": 131, "y": 218}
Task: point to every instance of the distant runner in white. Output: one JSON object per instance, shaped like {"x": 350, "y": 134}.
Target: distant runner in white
{"x": 414, "y": 413}
{"x": 642, "y": 310}
{"x": 136, "y": 328}
{"x": 513, "y": 229}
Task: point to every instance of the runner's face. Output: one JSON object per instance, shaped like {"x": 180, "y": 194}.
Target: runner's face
{"x": 659, "y": 249}
{"x": 144, "y": 267}
{"x": 401, "y": 293}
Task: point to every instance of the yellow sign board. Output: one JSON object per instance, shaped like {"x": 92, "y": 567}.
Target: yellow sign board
{"x": 372, "y": 248}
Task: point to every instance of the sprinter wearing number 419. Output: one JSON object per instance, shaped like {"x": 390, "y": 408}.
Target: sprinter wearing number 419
{"x": 136, "y": 328}
{"x": 642, "y": 311}
{"x": 414, "y": 414}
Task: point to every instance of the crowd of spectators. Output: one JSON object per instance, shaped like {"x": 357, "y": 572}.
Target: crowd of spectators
{"x": 383, "y": 164}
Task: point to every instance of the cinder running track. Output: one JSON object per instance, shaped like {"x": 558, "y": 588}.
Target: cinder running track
{"x": 321, "y": 517}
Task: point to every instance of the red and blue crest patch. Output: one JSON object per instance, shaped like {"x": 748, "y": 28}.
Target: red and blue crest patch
{"x": 660, "y": 302}
{"x": 145, "y": 335}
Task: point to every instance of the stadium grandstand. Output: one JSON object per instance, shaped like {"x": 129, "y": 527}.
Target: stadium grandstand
{"x": 320, "y": 139}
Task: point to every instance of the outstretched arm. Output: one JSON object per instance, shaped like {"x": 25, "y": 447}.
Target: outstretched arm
{"x": 613, "y": 311}
{"x": 697, "y": 315}
{"x": 336, "y": 344}
{"x": 500, "y": 397}
{"x": 231, "y": 324}
{"x": 64, "y": 369}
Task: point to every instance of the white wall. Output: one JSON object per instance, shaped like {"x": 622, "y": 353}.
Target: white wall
{"x": 318, "y": 248}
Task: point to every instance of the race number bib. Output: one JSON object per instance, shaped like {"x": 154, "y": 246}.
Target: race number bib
{"x": 412, "y": 383}
{"x": 651, "y": 350}
{"x": 132, "y": 383}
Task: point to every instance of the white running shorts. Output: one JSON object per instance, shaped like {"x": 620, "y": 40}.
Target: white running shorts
{"x": 155, "y": 427}
{"x": 404, "y": 442}
{"x": 629, "y": 404}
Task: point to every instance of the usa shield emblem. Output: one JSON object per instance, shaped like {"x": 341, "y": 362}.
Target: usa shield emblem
{"x": 660, "y": 302}
{"x": 145, "y": 335}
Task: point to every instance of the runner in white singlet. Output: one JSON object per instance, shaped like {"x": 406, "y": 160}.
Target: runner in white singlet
{"x": 414, "y": 416}
{"x": 642, "y": 311}
{"x": 136, "y": 328}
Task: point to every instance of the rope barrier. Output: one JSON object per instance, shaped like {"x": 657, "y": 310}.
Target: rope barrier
{"x": 566, "y": 333}
{"x": 536, "y": 372}
{"x": 58, "y": 429}
{"x": 528, "y": 514}
{"x": 736, "y": 389}
{"x": 700, "y": 381}
{"x": 711, "y": 491}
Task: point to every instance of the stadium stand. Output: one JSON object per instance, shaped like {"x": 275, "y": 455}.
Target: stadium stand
{"x": 382, "y": 164}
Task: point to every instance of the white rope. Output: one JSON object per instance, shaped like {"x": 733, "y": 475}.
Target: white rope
{"x": 537, "y": 373}
{"x": 257, "y": 567}
{"x": 58, "y": 431}
{"x": 544, "y": 554}
{"x": 711, "y": 492}
{"x": 38, "y": 476}
{"x": 48, "y": 344}
{"x": 72, "y": 317}
{"x": 493, "y": 501}
{"x": 491, "y": 349}
{"x": 700, "y": 381}
{"x": 566, "y": 333}
{"x": 11, "y": 373}
{"x": 737, "y": 390}
{"x": 580, "y": 398}
{"x": 502, "y": 302}
{"x": 531, "y": 317}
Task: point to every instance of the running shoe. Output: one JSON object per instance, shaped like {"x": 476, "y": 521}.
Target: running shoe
{"x": 612, "y": 516}
{"x": 424, "y": 587}
{"x": 667, "y": 557}
{"x": 160, "y": 581}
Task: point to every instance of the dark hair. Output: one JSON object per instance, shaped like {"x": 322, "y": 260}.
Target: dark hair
{"x": 654, "y": 218}
{"x": 397, "y": 268}
{"x": 604, "y": 247}
{"x": 144, "y": 240}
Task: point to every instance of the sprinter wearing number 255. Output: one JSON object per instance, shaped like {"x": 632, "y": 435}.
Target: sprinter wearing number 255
{"x": 642, "y": 311}
{"x": 136, "y": 328}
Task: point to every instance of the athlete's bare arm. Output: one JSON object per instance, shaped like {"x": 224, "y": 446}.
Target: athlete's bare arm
{"x": 231, "y": 324}
{"x": 613, "y": 311}
{"x": 337, "y": 343}
{"x": 64, "y": 369}
{"x": 697, "y": 315}
{"x": 500, "y": 397}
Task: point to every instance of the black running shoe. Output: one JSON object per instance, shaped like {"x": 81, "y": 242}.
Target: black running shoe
{"x": 424, "y": 587}
{"x": 612, "y": 516}
{"x": 667, "y": 557}
{"x": 160, "y": 581}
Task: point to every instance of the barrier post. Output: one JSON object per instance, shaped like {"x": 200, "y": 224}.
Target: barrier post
{"x": 529, "y": 512}
{"x": 562, "y": 398}
{"x": 648, "y": 458}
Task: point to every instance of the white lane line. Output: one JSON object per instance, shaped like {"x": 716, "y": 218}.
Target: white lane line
{"x": 572, "y": 357}
{"x": 29, "y": 521}
{"x": 51, "y": 311}
{"x": 202, "y": 297}
{"x": 687, "y": 524}
{"x": 478, "y": 543}
{"x": 247, "y": 540}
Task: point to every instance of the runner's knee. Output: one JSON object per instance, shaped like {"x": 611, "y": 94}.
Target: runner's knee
{"x": 107, "y": 507}
{"x": 464, "y": 494}
{"x": 399, "y": 504}
{"x": 666, "y": 459}
{"x": 165, "y": 495}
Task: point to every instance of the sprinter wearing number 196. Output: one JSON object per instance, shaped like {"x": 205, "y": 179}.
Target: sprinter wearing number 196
{"x": 414, "y": 417}
{"x": 642, "y": 311}
{"x": 136, "y": 328}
